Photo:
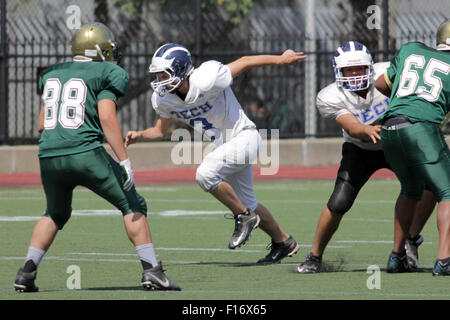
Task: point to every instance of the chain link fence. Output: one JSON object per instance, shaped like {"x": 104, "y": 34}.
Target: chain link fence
{"x": 37, "y": 33}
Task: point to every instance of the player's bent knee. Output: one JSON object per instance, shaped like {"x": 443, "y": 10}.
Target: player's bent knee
{"x": 206, "y": 178}
{"x": 59, "y": 219}
{"x": 342, "y": 198}
{"x": 339, "y": 207}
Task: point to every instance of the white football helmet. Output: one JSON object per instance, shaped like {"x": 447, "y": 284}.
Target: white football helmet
{"x": 350, "y": 54}
{"x": 175, "y": 61}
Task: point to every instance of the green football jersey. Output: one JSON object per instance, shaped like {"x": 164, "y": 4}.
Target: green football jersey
{"x": 420, "y": 79}
{"x": 71, "y": 92}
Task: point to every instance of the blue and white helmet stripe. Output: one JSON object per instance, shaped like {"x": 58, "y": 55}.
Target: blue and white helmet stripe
{"x": 351, "y": 46}
{"x": 353, "y": 53}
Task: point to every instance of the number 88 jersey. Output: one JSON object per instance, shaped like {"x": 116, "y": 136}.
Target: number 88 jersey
{"x": 70, "y": 95}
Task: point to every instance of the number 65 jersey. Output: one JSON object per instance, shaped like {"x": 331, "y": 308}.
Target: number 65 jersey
{"x": 71, "y": 91}
{"x": 210, "y": 105}
{"x": 420, "y": 80}
{"x": 333, "y": 102}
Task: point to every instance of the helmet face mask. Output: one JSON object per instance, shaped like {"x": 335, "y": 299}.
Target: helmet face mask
{"x": 171, "y": 65}
{"x": 354, "y": 83}
{"x": 95, "y": 41}
{"x": 353, "y": 54}
{"x": 165, "y": 82}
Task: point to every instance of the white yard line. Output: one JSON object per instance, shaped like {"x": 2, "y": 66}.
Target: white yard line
{"x": 372, "y": 241}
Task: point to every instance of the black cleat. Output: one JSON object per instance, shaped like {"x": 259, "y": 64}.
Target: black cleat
{"x": 397, "y": 263}
{"x": 243, "y": 226}
{"x": 280, "y": 251}
{"x": 25, "y": 281}
{"x": 155, "y": 279}
{"x": 312, "y": 264}
{"x": 441, "y": 269}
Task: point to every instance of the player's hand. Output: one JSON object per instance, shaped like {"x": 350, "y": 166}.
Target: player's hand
{"x": 373, "y": 132}
{"x": 128, "y": 174}
{"x": 132, "y": 137}
{"x": 291, "y": 57}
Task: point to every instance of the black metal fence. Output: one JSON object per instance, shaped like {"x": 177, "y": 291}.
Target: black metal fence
{"x": 36, "y": 34}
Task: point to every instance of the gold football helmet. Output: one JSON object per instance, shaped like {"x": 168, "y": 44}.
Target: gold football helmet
{"x": 95, "y": 41}
{"x": 443, "y": 36}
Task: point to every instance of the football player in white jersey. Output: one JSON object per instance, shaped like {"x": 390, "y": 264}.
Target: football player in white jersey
{"x": 356, "y": 105}
{"x": 202, "y": 98}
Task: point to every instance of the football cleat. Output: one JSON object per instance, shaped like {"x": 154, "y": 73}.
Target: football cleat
{"x": 397, "y": 263}
{"x": 412, "y": 251}
{"x": 244, "y": 223}
{"x": 441, "y": 269}
{"x": 25, "y": 281}
{"x": 280, "y": 251}
{"x": 155, "y": 279}
{"x": 312, "y": 264}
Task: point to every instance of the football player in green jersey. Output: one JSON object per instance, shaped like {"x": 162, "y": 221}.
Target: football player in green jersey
{"x": 78, "y": 113}
{"x": 418, "y": 81}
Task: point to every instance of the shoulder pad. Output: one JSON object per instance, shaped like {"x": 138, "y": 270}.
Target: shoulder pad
{"x": 330, "y": 101}
{"x": 204, "y": 77}
{"x": 118, "y": 79}
{"x": 331, "y": 94}
{"x": 380, "y": 68}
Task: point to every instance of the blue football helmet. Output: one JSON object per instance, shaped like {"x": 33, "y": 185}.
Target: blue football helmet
{"x": 175, "y": 61}
{"x": 350, "y": 54}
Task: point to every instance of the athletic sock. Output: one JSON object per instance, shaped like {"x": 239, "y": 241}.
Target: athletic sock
{"x": 146, "y": 254}
{"x": 445, "y": 261}
{"x": 34, "y": 257}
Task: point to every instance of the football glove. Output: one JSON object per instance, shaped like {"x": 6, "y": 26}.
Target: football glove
{"x": 128, "y": 174}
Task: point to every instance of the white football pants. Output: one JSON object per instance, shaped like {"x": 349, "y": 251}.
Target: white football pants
{"x": 232, "y": 162}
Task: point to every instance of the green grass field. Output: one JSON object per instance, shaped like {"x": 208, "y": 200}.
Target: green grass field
{"x": 191, "y": 237}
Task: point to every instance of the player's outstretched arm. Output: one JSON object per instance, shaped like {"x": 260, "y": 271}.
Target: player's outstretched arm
{"x": 289, "y": 57}
{"x": 113, "y": 134}
{"x": 358, "y": 130}
{"x": 154, "y": 133}
{"x": 111, "y": 127}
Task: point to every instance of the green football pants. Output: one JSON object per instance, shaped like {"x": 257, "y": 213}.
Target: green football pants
{"x": 419, "y": 156}
{"x": 95, "y": 170}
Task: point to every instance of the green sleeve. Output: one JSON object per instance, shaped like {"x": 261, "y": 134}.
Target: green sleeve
{"x": 393, "y": 68}
{"x": 107, "y": 94}
{"x": 116, "y": 85}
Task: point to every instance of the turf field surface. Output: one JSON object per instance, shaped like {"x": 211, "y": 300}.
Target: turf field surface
{"x": 191, "y": 236}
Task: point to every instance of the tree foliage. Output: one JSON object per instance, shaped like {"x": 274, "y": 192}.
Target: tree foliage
{"x": 235, "y": 8}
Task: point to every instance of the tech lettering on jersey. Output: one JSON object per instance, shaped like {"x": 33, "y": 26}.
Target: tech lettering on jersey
{"x": 373, "y": 112}
{"x": 192, "y": 112}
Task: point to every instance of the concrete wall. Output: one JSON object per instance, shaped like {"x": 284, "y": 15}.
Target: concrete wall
{"x": 295, "y": 152}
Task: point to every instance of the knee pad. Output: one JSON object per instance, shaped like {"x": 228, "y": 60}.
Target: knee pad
{"x": 206, "y": 178}
{"x": 343, "y": 196}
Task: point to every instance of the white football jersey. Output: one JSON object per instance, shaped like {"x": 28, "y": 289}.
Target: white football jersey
{"x": 333, "y": 102}
{"x": 210, "y": 104}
